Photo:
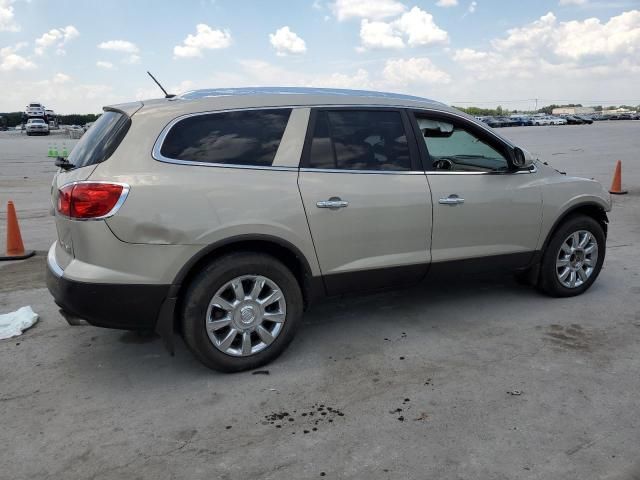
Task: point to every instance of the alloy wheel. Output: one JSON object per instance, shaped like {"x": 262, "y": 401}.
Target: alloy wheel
{"x": 577, "y": 258}
{"x": 246, "y": 315}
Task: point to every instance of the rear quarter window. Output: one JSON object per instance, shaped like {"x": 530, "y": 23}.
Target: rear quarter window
{"x": 249, "y": 137}
{"x": 101, "y": 140}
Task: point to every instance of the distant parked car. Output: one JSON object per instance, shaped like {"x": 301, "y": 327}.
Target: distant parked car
{"x": 585, "y": 118}
{"x": 508, "y": 122}
{"x": 573, "y": 120}
{"x": 37, "y": 126}
{"x": 625, "y": 116}
{"x": 492, "y": 122}
{"x": 522, "y": 120}
{"x": 549, "y": 120}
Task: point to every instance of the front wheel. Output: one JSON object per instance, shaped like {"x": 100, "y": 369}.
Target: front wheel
{"x": 241, "y": 311}
{"x": 573, "y": 258}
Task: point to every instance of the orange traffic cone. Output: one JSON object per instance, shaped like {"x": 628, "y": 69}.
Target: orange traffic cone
{"x": 15, "y": 248}
{"x": 616, "y": 185}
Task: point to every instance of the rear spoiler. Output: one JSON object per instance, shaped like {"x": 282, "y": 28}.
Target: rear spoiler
{"x": 127, "y": 108}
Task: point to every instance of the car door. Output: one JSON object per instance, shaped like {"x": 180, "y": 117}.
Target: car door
{"x": 366, "y": 199}
{"x": 483, "y": 209}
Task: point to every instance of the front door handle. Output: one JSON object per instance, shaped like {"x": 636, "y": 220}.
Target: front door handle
{"x": 333, "y": 203}
{"x": 452, "y": 199}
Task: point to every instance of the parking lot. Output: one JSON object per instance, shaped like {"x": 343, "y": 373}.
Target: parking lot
{"x": 480, "y": 378}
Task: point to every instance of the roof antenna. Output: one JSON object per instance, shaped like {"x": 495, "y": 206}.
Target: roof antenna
{"x": 166, "y": 95}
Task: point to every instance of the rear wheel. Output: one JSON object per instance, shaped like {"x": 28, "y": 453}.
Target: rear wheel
{"x": 573, "y": 259}
{"x": 241, "y": 311}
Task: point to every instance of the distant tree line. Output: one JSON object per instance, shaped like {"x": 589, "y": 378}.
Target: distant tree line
{"x": 14, "y": 119}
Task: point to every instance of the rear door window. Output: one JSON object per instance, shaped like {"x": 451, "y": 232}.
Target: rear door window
{"x": 101, "y": 140}
{"x": 360, "y": 140}
{"x": 249, "y": 137}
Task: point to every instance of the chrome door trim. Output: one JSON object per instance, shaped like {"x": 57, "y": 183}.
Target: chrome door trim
{"x": 377, "y": 172}
{"x": 533, "y": 169}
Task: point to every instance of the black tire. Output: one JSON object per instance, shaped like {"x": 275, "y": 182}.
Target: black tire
{"x": 549, "y": 282}
{"x": 207, "y": 283}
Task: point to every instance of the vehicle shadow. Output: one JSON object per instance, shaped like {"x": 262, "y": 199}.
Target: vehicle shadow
{"x": 454, "y": 303}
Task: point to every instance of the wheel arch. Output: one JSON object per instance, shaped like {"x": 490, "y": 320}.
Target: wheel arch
{"x": 284, "y": 251}
{"x": 590, "y": 209}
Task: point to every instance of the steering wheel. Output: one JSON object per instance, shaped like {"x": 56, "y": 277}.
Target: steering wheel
{"x": 443, "y": 164}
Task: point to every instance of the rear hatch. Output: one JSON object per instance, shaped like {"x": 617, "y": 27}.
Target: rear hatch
{"x": 95, "y": 147}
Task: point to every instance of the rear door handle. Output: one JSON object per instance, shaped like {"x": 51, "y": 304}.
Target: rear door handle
{"x": 333, "y": 202}
{"x": 452, "y": 199}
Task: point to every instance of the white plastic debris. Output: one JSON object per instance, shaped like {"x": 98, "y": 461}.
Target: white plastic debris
{"x": 14, "y": 323}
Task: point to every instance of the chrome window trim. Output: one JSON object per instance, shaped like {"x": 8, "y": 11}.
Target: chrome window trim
{"x": 110, "y": 213}
{"x": 224, "y": 165}
{"x": 157, "y": 146}
{"x": 375, "y": 172}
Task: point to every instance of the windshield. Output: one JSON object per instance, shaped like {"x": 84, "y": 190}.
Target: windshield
{"x": 101, "y": 140}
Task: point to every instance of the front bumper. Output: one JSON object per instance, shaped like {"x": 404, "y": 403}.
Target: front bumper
{"x": 110, "y": 305}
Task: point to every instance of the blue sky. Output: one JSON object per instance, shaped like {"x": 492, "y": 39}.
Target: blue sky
{"x": 76, "y": 56}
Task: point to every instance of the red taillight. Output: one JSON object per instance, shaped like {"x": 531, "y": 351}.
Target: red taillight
{"x": 85, "y": 200}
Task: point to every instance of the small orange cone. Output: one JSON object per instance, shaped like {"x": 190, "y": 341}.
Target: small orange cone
{"x": 15, "y": 248}
{"x": 616, "y": 185}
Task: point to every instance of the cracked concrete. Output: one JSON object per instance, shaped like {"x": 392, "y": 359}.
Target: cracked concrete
{"x": 87, "y": 403}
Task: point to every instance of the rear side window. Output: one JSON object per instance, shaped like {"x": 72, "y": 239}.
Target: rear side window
{"x": 359, "y": 140}
{"x": 249, "y": 137}
{"x": 101, "y": 140}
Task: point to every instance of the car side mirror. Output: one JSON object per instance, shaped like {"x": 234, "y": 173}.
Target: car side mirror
{"x": 521, "y": 158}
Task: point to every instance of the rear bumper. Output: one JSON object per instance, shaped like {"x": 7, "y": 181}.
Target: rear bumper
{"x": 110, "y": 305}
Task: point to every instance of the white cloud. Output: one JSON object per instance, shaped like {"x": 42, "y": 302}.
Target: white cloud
{"x": 379, "y": 35}
{"x": 416, "y": 26}
{"x": 573, "y": 2}
{"x": 447, "y": 3}
{"x": 371, "y": 9}
{"x": 549, "y": 47}
{"x": 61, "y": 78}
{"x": 420, "y": 28}
{"x": 123, "y": 46}
{"x": 10, "y": 60}
{"x": 360, "y": 80}
{"x": 7, "y": 20}
{"x": 285, "y": 41}
{"x": 132, "y": 59}
{"x": 205, "y": 38}
{"x": 56, "y": 36}
{"x": 472, "y": 7}
{"x": 408, "y": 71}
{"x": 105, "y": 65}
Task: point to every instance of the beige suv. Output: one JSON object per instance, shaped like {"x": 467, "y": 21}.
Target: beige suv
{"x": 224, "y": 214}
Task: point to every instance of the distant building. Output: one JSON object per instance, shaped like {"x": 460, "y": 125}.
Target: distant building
{"x": 572, "y": 110}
